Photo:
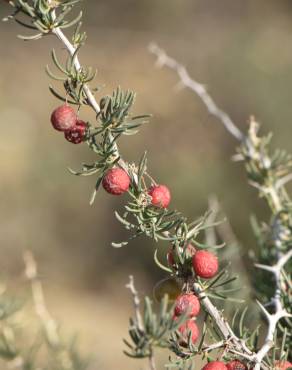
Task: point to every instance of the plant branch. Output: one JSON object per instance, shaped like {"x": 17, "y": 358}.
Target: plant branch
{"x": 90, "y": 96}
{"x": 280, "y": 312}
{"x": 210, "y": 308}
{"x": 152, "y": 362}
{"x": 50, "y": 325}
{"x": 273, "y": 320}
{"x": 186, "y": 81}
{"x": 139, "y": 321}
{"x": 71, "y": 50}
{"x": 218, "y": 319}
{"x": 136, "y": 301}
{"x": 235, "y": 344}
{"x": 272, "y": 190}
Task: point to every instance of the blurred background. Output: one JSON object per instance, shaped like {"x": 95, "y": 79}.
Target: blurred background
{"x": 242, "y": 51}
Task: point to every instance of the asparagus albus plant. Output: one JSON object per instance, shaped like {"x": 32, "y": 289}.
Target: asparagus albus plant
{"x": 148, "y": 211}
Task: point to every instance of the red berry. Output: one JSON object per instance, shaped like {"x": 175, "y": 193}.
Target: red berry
{"x": 186, "y": 328}
{"x": 187, "y": 303}
{"x": 63, "y": 118}
{"x": 283, "y": 365}
{"x": 205, "y": 264}
{"x": 160, "y": 196}
{"x": 116, "y": 181}
{"x": 215, "y": 365}
{"x": 76, "y": 134}
{"x": 236, "y": 365}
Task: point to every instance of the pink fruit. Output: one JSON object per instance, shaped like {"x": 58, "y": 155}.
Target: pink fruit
{"x": 160, "y": 196}
{"x": 186, "y": 328}
{"x": 63, "y": 118}
{"x": 215, "y": 365}
{"x": 116, "y": 181}
{"x": 205, "y": 264}
{"x": 187, "y": 303}
{"x": 76, "y": 134}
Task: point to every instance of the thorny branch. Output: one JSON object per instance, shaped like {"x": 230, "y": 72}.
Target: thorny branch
{"x": 280, "y": 312}
{"x": 235, "y": 344}
{"x": 208, "y": 305}
{"x": 186, "y": 81}
{"x": 271, "y": 191}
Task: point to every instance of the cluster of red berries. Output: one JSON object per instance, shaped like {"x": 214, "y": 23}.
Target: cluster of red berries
{"x": 116, "y": 181}
{"x": 205, "y": 265}
{"x": 187, "y": 303}
{"x": 65, "y": 119}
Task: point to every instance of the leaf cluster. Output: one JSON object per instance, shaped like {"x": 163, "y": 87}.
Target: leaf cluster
{"x": 43, "y": 16}
{"x": 153, "y": 331}
{"x": 74, "y": 78}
